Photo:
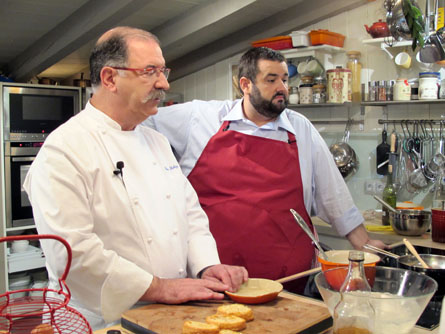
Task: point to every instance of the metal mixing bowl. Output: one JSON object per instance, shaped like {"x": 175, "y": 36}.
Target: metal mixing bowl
{"x": 410, "y": 222}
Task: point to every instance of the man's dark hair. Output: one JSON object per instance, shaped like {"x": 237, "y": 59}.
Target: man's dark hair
{"x": 113, "y": 51}
{"x": 248, "y": 64}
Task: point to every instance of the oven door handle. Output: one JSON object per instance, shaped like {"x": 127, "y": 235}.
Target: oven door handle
{"x": 22, "y": 159}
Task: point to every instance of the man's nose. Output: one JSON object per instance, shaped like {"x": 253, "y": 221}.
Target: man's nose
{"x": 162, "y": 82}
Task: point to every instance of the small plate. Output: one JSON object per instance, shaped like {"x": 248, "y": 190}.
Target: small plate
{"x": 256, "y": 291}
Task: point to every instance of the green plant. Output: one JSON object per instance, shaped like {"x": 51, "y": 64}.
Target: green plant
{"x": 414, "y": 18}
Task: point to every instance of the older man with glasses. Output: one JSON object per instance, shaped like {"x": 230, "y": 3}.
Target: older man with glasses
{"x": 113, "y": 189}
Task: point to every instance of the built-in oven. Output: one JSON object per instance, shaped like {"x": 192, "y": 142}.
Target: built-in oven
{"x": 29, "y": 114}
{"x": 18, "y": 158}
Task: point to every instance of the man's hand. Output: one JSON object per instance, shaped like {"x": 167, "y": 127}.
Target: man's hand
{"x": 232, "y": 276}
{"x": 358, "y": 237}
{"x": 177, "y": 291}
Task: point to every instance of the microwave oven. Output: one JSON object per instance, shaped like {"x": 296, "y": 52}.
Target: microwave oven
{"x": 31, "y": 112}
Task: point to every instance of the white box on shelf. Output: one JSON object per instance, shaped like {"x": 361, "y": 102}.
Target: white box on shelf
{"x": 33, "y": 258}
{"x": 300, "y": 38}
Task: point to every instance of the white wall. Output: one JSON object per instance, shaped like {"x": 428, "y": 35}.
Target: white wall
{"x": 214, "y": 82}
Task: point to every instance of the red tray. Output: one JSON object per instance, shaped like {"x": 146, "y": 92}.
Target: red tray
{"x": 276, "y": 43}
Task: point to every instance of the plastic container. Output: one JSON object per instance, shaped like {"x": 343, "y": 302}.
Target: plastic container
{"x": 402, "y": 90}
{"x": 276, "y": 43}
{"x": 428, "y": 85}
{"x": 322, "y": 36}
{"x": 300, "y": 39}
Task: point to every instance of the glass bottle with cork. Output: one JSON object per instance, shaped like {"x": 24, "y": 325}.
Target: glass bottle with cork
{"x": 356, "y": 67}
{"x": 353, "y": 313}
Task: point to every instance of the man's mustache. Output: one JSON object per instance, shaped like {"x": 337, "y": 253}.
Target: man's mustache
{"x": 156, "y": 94}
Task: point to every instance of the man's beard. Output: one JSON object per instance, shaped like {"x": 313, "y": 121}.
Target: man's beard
{"x": 154, "y": 94}
{"x": 265, "y": 107}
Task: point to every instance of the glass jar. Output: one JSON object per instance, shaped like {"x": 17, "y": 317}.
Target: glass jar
{"x": 356, "y": 67}
{"x": 372, "y": 91}
{"x": 307, "y": 80}
{"x": 382, "y": 91}
{"x": 402, "y": 90}
{"x": 442, "y": 89}
{"x": 306, "y": 94}
{"x": 428, "y": 85}
{"x": 294, "y": 96}
{"x": 318, "y": 94}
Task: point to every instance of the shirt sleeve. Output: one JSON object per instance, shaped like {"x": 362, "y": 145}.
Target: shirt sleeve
{"x": 174, "y": 122}
{"x": 332, "y": 200}
{"x": 59, "y": 191}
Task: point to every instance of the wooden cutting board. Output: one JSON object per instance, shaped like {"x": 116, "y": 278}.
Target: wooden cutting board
{"x": 285, "y": 315}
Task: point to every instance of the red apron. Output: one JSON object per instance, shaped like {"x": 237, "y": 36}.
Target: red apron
{"x": 246, "y": 185}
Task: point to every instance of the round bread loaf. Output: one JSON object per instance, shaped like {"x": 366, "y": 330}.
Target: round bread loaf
{"x": 239, "y": 310}
{"x": 196, "y": 327}
{"x": 227, "y": 321}
{"x": 43, "y": 329}
{"x": 228, "y": 331}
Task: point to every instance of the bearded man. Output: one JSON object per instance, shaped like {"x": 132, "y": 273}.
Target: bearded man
{"x": 250, "y": 161}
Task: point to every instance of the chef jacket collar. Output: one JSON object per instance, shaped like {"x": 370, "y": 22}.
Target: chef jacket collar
{"x": 282, "y": 122}
{"x": 101, "y": 116}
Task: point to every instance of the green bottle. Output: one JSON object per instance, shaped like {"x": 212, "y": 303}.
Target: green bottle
{"x": 389, "y": 196}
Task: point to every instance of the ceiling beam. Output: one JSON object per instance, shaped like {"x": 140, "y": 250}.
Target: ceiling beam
{"x": 197, "y": 19}
{"x": 78, "y": 29}
{"x": 296, "y": 17}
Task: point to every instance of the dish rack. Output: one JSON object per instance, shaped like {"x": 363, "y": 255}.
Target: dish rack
{"x": 20, "y": 314}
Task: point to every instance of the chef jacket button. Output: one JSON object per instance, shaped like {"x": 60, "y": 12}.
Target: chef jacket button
{"x": 168, "y": 196}
{"x": 175, "y": 232}
{"x": 135, "y": 201}
{"x": 181, "y": 271}
{"x": 150, "y": 240}
{"x": 154, "y": 163}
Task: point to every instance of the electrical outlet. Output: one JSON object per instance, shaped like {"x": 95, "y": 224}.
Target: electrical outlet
{"x": 370, "y": 187}
{"x": 379, "y": 186}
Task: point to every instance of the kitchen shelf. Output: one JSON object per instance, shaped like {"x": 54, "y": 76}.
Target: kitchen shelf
{"x": 384, "y": 46}
{"x": 311, "y": 51}
{"x": 320, "y": 105}
{"x": 388, "y": 103}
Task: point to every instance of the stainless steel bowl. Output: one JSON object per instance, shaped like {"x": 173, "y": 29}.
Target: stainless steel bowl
{"x": 410, "y": 222}
{"x": 397, "y": 22}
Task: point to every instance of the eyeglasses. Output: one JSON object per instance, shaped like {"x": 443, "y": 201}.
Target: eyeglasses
{"x": 146, "y": 72}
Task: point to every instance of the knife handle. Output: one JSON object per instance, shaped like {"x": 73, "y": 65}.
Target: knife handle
{"x": 393, "y": 142}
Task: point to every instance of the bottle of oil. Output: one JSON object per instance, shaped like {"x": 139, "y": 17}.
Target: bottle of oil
{"x": 389, "y": 196}
{"x": 354, "y": 313}
{"x": 356, "y": 67}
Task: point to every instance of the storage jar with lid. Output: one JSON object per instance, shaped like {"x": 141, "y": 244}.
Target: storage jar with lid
{"x": 306, "y": 94}
{"x": 428, "y": 85}
{"x": 339, "y": 85}
{"x": 402, "y": 90}
{"x": 356, "y": 67}
{"x": 294, "y": 96}
{"x": 318, "y": 94}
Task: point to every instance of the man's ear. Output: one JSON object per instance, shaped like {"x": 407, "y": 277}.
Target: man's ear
{"x": 245, "y": 85}
{"x": 108, "y": 78}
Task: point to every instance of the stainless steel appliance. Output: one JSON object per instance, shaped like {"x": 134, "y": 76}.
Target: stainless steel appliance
{"x": 30, "y": 113}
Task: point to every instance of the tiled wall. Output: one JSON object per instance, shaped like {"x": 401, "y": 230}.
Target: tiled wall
{"x": 215, "y": 82}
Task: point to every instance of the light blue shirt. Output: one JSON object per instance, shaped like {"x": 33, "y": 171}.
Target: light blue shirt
{"x": 189, "y": 127}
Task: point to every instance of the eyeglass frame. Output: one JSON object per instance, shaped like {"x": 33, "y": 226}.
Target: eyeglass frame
{"x": 150, "y": 70}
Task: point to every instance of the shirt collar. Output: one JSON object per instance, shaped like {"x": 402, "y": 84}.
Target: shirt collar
{"x": 100, "y": 115}
{"x": 237, "y": 114}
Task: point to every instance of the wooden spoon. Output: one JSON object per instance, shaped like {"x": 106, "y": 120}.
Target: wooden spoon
{"x": 411, "y": 248}
{"x": 299, "y": 275}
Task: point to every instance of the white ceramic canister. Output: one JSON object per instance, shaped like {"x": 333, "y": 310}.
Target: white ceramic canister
{"x": 428, "y": 85}
{"x": 294, "y": 97}
{"x": 306, "y": 94}
{"x": 402, "y": 90}
{"x": 339, "y": 85}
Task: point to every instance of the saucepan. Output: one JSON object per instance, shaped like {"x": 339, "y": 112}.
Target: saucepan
{"x": 436, "y": 264}
{"x": 344, "y": 155}
{"x": 406, "y": 221}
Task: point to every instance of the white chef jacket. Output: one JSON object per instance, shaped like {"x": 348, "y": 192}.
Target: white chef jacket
{"x": 189, "y": 127}
{"x": 123, "y": 228}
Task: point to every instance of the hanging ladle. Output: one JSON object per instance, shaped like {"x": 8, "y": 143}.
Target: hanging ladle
{"x": 306, "y": 229}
